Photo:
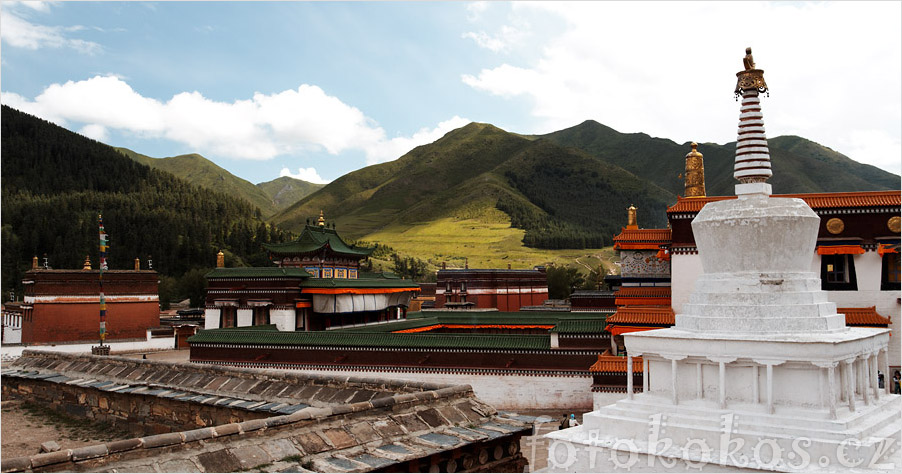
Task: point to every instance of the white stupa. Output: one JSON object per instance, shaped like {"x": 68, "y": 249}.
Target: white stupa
{"x": 759, "y": 372}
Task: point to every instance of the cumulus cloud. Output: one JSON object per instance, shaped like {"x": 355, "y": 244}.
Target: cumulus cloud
{"x": 42, "y": 7}
{"x": 305, "y": 174}
{"x": 259, "y": 128}
{"x": 667, "y": 69}
{"x": 20, "y": 33}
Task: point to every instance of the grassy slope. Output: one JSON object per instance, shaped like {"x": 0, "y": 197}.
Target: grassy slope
{"x": 285, "y": 191}
{"x": 198, "y": 170}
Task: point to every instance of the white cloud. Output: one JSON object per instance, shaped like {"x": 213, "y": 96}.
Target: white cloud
{"x": 97, "y": 132}
{"x": 394, "y": 148}
{"x": 501, "y": 42}
{"x": 305, "y": 174}
{"x": 42, "y": 7}
{"x": 476, "y": 9}
{"x": 259, "y": 128}
{"x": 666, "y": 68}
{"x": 20, "y": 33}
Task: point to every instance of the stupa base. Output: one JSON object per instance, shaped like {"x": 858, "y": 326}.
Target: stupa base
{"x": 650, "y": 434}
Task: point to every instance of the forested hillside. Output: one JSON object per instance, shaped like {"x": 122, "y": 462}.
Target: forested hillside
{"x": 799, "y": 165}
{"x": 55, "y": 182}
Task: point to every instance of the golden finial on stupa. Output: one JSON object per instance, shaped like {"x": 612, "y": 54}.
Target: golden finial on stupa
{"x": 137, "y": 264}
{"x": 631, "y": 222}
{"x": 34, "y": 263}
{"x": 695, "y": 173}
{"x": 749, "y": 78}
{"x": 87, "y": 265}
{"x": 321, "y": 221}
{"x": 220, "y": 259}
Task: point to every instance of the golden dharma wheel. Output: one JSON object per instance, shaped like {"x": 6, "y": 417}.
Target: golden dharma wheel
{"x": 893, "y": 224}
{"x": 835, "y": 225}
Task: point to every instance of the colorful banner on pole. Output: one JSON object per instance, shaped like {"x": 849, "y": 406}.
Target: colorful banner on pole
{"x": 104, "y": 245}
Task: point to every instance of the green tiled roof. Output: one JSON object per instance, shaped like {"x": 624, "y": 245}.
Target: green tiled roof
{"x": 312, "y": 239}
{"x": 258, "y": 272}
{"x": 581, "y": 326}
{"x": 357, "y": 283}
{"x": 344, "y": 339}
{"x": 430, "y": 318}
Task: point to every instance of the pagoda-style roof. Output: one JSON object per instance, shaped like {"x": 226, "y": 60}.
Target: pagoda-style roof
{"x": 608, "y": 363}
{"x": 258, "y": 272}
{"x": 864, "y": 317}
{"x": 642, "y": 295}
{"x": 661, "y": 316}
{"x": 269, "y": 335}
{"x": 641, "y": 239}
{"x": 814, "y": 200}
{"x": 314, "y": 239}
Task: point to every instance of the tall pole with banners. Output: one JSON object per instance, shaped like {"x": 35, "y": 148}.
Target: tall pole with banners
{"x": 104, "y": 245}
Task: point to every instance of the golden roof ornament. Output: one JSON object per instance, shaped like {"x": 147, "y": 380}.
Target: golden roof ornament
{"x": 321, "y": 221}
{"x": 749, "y": 78}
{"x": 87, "y": 265}
{"x": 220, "y": 260}
{"x": 631, "y": 220}
{"x": 695, "y": 173}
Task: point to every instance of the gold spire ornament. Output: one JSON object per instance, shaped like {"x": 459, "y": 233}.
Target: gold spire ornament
{"x": 631, "y": 220}
{"x": 749, "y": 78}
{"x": 87, "y": 265}
{"x": 695, "y": 173}
{"x": 220, "y": 259}
{"x": 322, "y": 220}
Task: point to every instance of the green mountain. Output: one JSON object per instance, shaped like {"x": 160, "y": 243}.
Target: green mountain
{"x": 55, "y": 182}
{"x": 270, "y": 197}
{"x": 561, "y": 197}
{"x": 799, "y": 165}
{"x": 285, "y": 191}
{"x": 198, "y": 170}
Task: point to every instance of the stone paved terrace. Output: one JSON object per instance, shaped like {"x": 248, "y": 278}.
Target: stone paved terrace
{"x": 276, "y": 421}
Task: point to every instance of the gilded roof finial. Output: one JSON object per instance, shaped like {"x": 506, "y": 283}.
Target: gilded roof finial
{"x": 749, "y": 78}
{"x": 321, "y": 221}
{"x": 695, "y": 173}
{"x": 87, "y": 265}
{"x": 631, "y": 221}
{"x": 137, "y": 264}
{"x": 220, "y": 259}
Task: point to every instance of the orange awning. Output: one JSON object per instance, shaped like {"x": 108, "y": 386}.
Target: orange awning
{"x": 618, "y": 330}
{"x": 839, "y": 250}
{"x": 884, "y": 249}
{"x": 303, "y": 304}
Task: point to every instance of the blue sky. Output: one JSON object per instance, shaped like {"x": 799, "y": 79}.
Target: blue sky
{"x": 318, "y": 89}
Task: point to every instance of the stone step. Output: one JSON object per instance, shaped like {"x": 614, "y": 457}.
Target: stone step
{"x": 734, "y": 324}
{"x": 739, "y": 309}
{"x": 758, "y": 298}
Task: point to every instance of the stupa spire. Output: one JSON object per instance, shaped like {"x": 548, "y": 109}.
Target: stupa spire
{"x": 752, "y": 166}
{"x": 321, "y": 221}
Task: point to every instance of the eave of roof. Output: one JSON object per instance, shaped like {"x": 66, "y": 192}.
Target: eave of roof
{"x": 258, "y": 272}
{"x": 643, "y": 315}
{"x": 864, "y": 317}
{"x": 612, "y": 363}
{"x": 814, "y": 200}
{"x": 381, "y": 340}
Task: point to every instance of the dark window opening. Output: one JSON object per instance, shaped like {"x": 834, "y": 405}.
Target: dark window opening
{"x": 890, "y": 277}
{"x": 228, "y": 317}
{"x": 261, "y": 315}
{"x": 838, "y": 273}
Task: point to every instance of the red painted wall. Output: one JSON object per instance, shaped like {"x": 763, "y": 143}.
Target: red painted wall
{"x": 65, "y": 322}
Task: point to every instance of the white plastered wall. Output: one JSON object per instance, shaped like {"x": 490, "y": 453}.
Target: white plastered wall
{"x": 283, "y": 319}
